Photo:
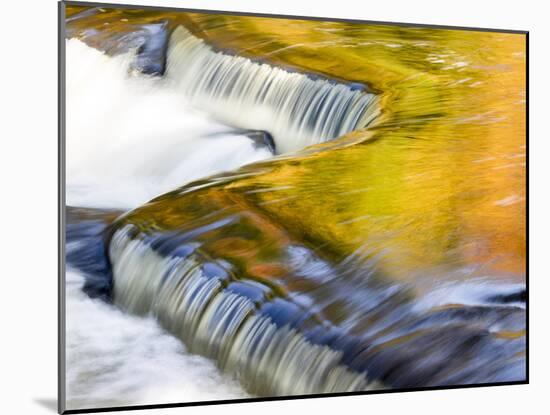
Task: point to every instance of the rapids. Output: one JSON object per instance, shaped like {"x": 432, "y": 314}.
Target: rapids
{"x": 130, "y": 138}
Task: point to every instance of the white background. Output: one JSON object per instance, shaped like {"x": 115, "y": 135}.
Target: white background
{"x": 28, "y": 174}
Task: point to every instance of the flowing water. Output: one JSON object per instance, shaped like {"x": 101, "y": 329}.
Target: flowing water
{"x": 114, "y": 359}
{"x": 296, "y": 109}
{"x": 132, "y": 138}
{"x": 335, "y": 207}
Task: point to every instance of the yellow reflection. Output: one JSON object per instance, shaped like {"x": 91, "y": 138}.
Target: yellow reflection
{"x": 438, "y": 184}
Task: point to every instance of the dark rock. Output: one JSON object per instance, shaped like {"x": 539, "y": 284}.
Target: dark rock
{"x": 262, "y": 139}
{"x": 151, "y": 54}
{"x": 515, "y": 297}
{"x": 86, "y": 248}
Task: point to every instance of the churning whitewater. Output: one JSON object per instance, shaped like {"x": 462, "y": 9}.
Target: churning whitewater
{"x": 130, "y": 137}
{"x": 114, "y": 358}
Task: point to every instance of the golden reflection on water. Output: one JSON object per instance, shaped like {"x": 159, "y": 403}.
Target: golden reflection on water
{"x": 437, "y": 185}
{"x": 443, "y": 183}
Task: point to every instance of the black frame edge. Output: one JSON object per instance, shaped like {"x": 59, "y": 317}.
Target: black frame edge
{"x": 291, "y": 17}
{"x": 286, "y": 398}
{"x": 527, "y": 282}
{"x": 61, "y": 209}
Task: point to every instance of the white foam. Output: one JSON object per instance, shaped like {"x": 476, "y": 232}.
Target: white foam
{"x": 133, "y": 137}
{"x": 115, "y": 359}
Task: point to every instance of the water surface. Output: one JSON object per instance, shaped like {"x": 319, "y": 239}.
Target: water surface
{"x": 384, "y": 241}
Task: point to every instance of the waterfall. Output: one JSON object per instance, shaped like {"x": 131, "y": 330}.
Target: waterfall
{"x": 132, "y": 137}
{"x": 203, "y": 117}
{"x": 295, "y": 108}
{"x": 199, "y": 306}
{"x": 284, "y": 344}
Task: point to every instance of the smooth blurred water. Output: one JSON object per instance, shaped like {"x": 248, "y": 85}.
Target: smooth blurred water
{"x": 393, "y": 256}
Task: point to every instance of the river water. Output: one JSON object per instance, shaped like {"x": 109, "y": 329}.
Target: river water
{"x": 113, "y": 358}
{"x": 330, "y": 207}
{"x": 116, "y": 359}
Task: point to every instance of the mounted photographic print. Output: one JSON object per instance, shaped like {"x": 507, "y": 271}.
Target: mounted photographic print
{"x": 257, "y": 207}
